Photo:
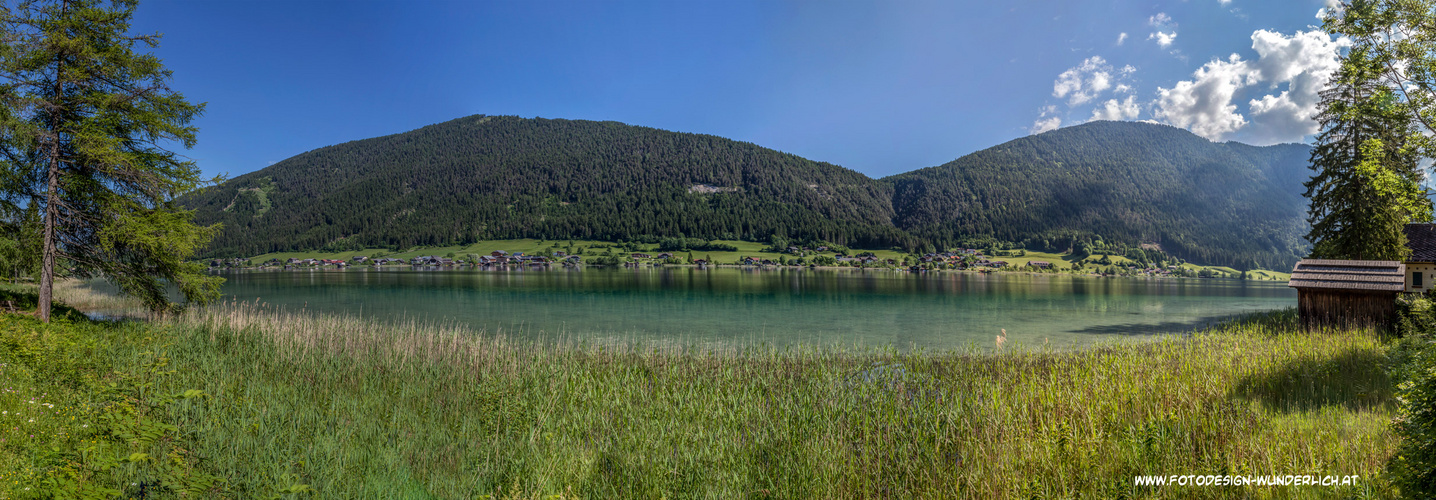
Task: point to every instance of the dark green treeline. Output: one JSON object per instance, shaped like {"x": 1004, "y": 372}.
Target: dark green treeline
{"x": 483, "y": 177}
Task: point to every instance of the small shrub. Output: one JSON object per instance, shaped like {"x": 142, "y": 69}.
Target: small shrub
{"x": 1414, "y": 466}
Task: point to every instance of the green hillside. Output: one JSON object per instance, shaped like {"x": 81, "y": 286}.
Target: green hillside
{"x": 1226, "y": 204}
{"x": 480, "y": 178}
{"x": 483, "y": 177}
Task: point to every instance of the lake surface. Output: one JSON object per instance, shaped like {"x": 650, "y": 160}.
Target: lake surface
{"x": 729, "y": 305}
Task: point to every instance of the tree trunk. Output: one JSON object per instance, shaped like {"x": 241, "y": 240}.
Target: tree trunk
{"x": 52, "y": 194}
{"x": 47, "y": 260}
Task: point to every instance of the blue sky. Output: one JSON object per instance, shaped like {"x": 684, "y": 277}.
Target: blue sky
{"x": 879, "y": 87}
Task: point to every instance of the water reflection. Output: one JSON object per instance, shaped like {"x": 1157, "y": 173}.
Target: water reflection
{"x": 933, "y": 310}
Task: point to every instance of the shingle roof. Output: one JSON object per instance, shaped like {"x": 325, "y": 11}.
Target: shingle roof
{"x": 1421, "y": 238}
{"x": 1363, "y": 275}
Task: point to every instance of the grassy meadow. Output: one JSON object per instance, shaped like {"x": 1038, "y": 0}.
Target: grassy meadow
{"x": 745, "y": 249}
{"x": 350, "y": 408}
{"x": 531, "y": 246}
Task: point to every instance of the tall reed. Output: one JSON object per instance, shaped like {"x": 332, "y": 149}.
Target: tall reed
{"x": 366, "y": 409}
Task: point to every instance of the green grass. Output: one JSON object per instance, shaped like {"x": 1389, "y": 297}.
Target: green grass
{"x": 531, "y": 246}
{"x": 745, "y": 249}
{"x": 357, "y": 409}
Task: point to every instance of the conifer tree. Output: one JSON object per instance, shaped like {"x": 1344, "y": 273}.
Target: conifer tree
{"x": 85, "y": 126}
{"x": 1365, "y": 186}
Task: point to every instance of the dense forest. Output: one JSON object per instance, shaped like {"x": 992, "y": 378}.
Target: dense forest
{"x": 502, "y": 177}
{"x": 1221, "y": 204}
{"x": 489, "y": 177}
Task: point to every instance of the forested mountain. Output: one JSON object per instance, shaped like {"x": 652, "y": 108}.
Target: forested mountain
{"x": 485, "y": 177}
{"x": 1215, "y": 203}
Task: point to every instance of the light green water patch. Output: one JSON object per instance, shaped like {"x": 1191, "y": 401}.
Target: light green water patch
{"x": 782, "y": 306}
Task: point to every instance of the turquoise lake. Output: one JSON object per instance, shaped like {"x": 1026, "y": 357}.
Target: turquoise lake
{"x": 780, "y": 306}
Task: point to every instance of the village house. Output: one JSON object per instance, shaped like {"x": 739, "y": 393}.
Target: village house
{"x": 1421, "y": 265}
{"x": 640, "y": 256}
{"x": 1040, "y": 264}
{"x": 428, "y": 260}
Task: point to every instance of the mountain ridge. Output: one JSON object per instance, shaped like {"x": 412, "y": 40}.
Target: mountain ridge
{"x": 498, "y": 177}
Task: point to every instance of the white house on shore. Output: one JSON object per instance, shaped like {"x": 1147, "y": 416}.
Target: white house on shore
{"x": 1421, "y": 265}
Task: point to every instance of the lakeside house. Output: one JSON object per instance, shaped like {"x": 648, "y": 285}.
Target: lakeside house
{"x": 1040, "y": 264}
{"x": 1421, "y": 265}
{"x": 1347, "y": 293}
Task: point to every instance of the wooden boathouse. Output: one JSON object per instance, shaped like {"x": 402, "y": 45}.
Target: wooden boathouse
{"x": 1347, "y": 293}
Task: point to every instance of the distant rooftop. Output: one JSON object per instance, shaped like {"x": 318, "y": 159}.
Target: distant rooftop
{"x": 1421, "y": 238}
{"x": 1354, "y": 275}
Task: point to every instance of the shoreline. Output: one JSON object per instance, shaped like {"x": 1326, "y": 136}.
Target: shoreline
{"x": 522, "y": 268}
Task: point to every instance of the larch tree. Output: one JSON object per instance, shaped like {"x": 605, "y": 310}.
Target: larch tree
{"x": 87, "y": 124}
{"x": 1366, "y": 182}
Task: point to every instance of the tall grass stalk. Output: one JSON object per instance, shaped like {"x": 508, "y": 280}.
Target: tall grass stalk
{"x": 90, "y": 296}
{"x": 364, "y": 409}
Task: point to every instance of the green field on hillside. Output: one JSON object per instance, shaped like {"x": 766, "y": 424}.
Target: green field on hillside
{"x": 532, "y": 246}
{"x": 745, "y": 249}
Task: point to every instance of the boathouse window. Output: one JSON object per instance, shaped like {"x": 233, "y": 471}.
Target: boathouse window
{"x": 1416, "y": 280}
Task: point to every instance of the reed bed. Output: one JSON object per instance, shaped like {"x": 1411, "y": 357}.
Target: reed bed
{"x": 88, "y": 295}
{"x": 364, "y": 409}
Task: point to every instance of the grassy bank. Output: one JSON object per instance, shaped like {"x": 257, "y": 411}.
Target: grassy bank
{"x": 362, "y": 410}
{"x": 1061, "y": 261}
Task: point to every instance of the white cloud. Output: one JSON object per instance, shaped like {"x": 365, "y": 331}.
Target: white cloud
{"x": 1282, "y": 58}
{"x": 1045, "y": 124}
{"x": 1121, "y": 38}
{"x": 1163, "y": 39}
{"x": 1164, "y": 30}
{"x": 1305, "y": 61}
{"x": 1084, "y": 82}
{"x": 1332, "y": 8}
{"x": 1224, "y": 2}
{"x": 1046, "y": 121}
{"x": 1127, "y": 109}
{"x": 1204, "y": 104}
